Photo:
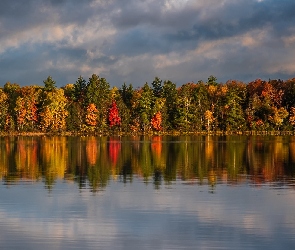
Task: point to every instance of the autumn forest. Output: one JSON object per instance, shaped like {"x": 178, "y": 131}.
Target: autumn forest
{"x": 93, "y": 107}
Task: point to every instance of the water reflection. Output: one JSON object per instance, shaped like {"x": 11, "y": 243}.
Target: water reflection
{"x": 92, "y": 162}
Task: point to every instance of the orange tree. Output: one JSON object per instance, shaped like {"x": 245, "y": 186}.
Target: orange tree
{"x": 91, "y": 116}
{"x": 26, "y": 110}
{"x": 157, "y": 121}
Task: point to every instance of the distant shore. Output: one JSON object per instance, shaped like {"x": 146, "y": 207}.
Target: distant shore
{"x": 173, "y": 133}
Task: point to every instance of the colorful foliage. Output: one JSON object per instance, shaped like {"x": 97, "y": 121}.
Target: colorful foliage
{"x": 193, "y": 107}
{"x": 114, "y": 118}
{"x": 292, "y": 116}
{"x": 53, "y": 111}
{"x": 157, "y": 121}
{"x": 91, "y": 115}
{"x": 209, "y": 118}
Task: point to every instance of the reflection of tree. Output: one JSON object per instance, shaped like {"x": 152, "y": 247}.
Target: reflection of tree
{"x": 126, "y": 172}
{"x": 170, "y": 170}
{"x": 98, "y": 177}
{"x": 77, "y": 160}
{"x": 289, "y": 167}
{"x": 145, "y": 160}
{"x": 267, "y": 158}
{"x": 53, "y": 158}
{"x": 99, "y": 174}
{"x": 91, "y": 150}
{"x": 235, "y": 157}
{"x": 92, "y": 161}
{"x": 27, "y": 158}
{"x": 158, "y": 160}
{"x": 4, "y": 156}
{"x": 114, "y": 150}
{"x": 157, "y": 146}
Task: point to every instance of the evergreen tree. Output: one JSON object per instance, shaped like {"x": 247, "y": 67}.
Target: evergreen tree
{"x": 13, "y": 92}
{"x": 79, "y": 90}
{"x": 98, "y": 93}
{"x": 170, "y": 95}
{"x": 127, "y": 94}
{"x": 157, "y": 87}
{"x": 49, "y": 84}
{"x": 145, "y": 107}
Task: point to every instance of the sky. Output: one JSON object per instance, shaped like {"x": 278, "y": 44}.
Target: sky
{"x": 136, "y": 40}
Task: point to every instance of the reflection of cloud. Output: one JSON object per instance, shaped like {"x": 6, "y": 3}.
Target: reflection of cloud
{"x": 229, "y": 209}
{"x": 52, "y": 221}
{"x": 126, "y": 213}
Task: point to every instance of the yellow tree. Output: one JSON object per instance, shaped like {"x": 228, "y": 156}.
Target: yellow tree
{"x": 292, "y": 116}
{"x": 209, "y": 119}
{"x": 3, "y": 108}
{"x": 278, "y": 116}
{"x": 53, "y": 112}
{"x": 20, "y": 112}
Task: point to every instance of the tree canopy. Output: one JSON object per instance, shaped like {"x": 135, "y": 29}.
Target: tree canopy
{"x": 159, "y": 107}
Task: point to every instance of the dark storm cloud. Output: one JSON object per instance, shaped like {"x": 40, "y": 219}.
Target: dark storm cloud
{"x": 35, "y": 12}
{"x": 17, "y": 63}
{"x": 137, "y": 41}
{"x": 133, "y": 41}
{"x": 152, "y": 29}
{"x": 235, "y": 19}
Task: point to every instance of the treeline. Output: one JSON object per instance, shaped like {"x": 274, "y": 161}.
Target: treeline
{"x": 160, "y": 107}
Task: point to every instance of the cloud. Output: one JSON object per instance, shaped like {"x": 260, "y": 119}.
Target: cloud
{"x": 133, "y": 41}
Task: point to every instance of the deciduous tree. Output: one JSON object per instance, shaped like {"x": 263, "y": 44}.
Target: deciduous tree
{"x": 4, "y": 105}
{"x": 114, "y": 117}
{"x": 157, "y": 121}
{"x": 91, "y": 115}
{"x": 53, "y": 111}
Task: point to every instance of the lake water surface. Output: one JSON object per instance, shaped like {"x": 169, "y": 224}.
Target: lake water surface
{"x": 185, "y": 192}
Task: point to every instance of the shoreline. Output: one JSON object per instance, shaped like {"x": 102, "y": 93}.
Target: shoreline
{"x": 172, "y": 133}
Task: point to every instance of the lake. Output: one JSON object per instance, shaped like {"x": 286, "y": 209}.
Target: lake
{"x": 152, "y": 192}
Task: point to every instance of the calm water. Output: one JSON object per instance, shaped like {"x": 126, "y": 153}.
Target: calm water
{"x": 187, "y": 192}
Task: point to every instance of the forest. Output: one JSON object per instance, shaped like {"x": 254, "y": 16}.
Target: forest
{"x": 93, "y": 107}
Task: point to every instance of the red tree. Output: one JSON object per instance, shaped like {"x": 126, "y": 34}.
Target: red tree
{"x": 114, "y": 118}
